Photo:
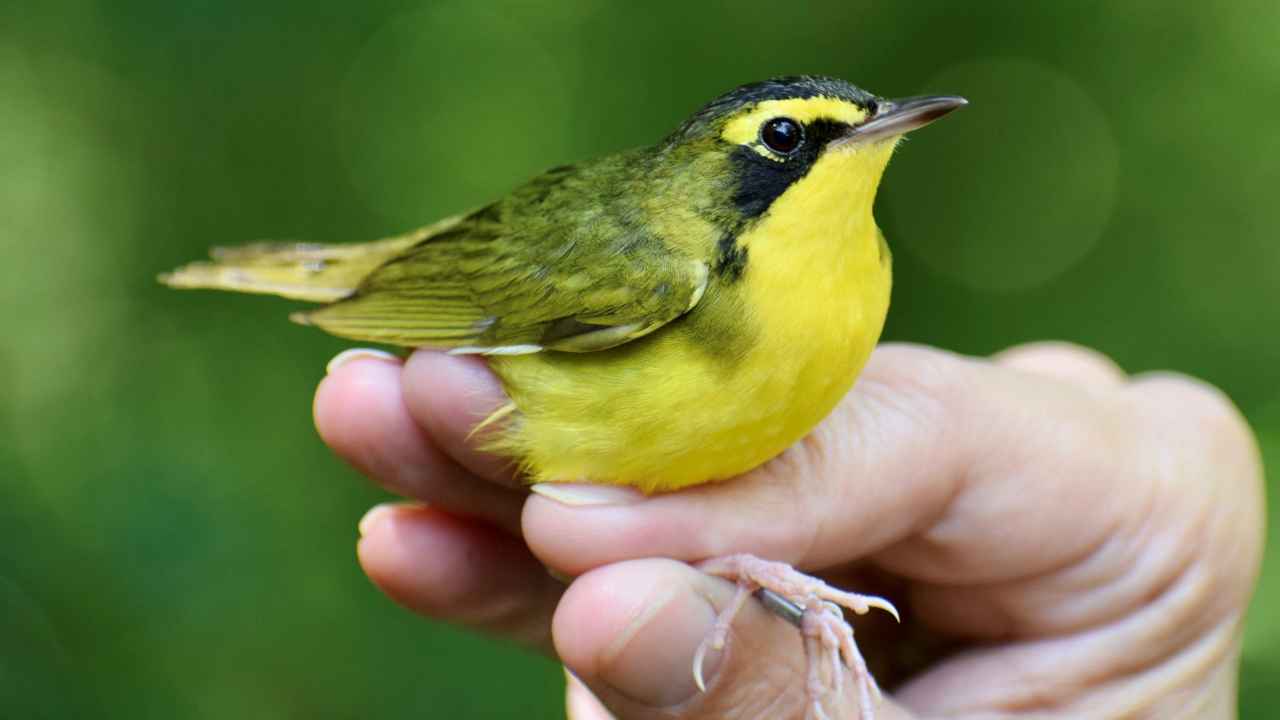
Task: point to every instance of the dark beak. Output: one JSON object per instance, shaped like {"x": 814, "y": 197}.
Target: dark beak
{"x": 896, "y": 117}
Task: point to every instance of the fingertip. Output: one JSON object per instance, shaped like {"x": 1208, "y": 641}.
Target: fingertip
{"x": 455, "y": 568}
{"x": 390, "y": 534}
{"x": 449, "y": 395}
{"x": 462, "y": 385}
{"x": 354, "y": 391}
{"x": 376, "y": 515}
{"x": 360, "y": 413}
{"x": 416, "y": 554}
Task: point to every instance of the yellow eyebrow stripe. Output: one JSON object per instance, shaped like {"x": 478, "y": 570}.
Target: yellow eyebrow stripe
{"x": 744, "y": 129}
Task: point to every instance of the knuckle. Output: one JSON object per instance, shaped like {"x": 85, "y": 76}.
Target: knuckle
{"x": 918, "y": 382}
{"x": 925, "y": 369}
{"x": 1199, "y": 425}
{"x": 1062, "y": 359}
{"x": 1192, "y": 403}
{"x": 1207, "y": 460}
{"x": 1059, "y": 350}
{"x": 787, "y": 491}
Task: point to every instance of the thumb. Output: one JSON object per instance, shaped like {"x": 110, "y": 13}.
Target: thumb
{"x": 629, "y": 632}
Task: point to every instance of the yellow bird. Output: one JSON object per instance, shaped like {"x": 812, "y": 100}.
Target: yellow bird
{"x": 661, "y": 317}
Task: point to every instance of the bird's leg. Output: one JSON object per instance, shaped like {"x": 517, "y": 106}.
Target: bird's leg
{"x": 815, "y": 686}
{"x": 828, "y": 637}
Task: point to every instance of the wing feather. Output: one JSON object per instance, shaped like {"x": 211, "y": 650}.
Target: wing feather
{"x": 523, "y": 275}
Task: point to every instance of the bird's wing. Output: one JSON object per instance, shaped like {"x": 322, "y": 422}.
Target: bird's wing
{"x": 493, "y": 285}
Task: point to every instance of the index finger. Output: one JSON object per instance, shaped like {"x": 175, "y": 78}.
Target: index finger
{"x": 364, "y": 410}
{"x": 935, "y": 463}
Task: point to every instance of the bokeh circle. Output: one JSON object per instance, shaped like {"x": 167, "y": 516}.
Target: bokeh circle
{"x": 1009, "y": 193}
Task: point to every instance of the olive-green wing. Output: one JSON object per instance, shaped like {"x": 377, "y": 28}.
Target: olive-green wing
{"x": 494, "y": 285}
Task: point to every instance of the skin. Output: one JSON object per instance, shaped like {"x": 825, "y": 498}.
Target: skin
{"x": 1063, "y": 540}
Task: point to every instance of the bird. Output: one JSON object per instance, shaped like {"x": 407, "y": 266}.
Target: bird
{"x": 662, "y": 317}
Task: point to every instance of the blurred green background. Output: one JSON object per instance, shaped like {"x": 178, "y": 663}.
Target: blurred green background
{"x": 176, "y": 542}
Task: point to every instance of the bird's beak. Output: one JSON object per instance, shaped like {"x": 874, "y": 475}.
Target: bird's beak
{"x": 896, "y": 117}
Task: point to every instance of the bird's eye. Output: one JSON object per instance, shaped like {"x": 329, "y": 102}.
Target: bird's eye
{"x": 782, "y": 135}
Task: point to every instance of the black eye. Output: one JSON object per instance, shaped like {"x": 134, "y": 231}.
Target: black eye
{"x": 782, "y": 135}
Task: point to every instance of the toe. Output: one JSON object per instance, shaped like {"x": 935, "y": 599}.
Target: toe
{"x": 630, "y": 632}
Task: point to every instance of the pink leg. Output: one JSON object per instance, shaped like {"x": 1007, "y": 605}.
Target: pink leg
{"x": 827, "y": 635}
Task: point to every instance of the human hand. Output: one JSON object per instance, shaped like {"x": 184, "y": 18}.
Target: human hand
{"x": 1061, "y": 540}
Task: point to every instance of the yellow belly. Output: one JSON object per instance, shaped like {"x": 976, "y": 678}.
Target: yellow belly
{"x": 695, "y": 401}
{"x": 749, "y": 371}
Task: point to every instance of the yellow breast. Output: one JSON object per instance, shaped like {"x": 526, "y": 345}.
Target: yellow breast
{"x": 748, "y": 372}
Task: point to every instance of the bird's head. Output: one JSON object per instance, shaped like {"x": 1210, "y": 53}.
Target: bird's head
{"x": 793, "y": 134}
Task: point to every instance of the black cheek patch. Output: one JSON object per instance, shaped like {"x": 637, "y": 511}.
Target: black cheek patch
{"x": 761, "y": 180}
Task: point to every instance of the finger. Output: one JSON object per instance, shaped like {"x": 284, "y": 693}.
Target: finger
{"x": 630, "y": 631}
{"x": 935, "y": 463}
{"x": 917, "y": 440}
{"x": 449, "y": 396}
{"x": 1128, "y": 671}
{"x": 458, "y": 570}
{"x": 1189, "y": 573}
{"x": 360, "y": 412}
{"x": 1063, "y": 361}
{"x": 579, "y": 703}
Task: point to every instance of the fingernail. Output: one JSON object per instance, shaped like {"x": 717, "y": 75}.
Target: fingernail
{"x": 347, "y": 356}
{"x": 376, "y": 514}
{"x": 585, "y": 495}
{"x": 559, "y": 576}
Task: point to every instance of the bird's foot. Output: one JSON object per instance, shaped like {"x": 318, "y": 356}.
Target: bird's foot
{"x": 828, "y": 637}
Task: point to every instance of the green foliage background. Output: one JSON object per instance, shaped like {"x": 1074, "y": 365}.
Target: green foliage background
{"x": 175, "y": 542}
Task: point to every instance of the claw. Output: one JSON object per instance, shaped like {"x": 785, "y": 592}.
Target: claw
{"x": 719, "y": 634}
{"x": 698, "y": 657}
{"x": 818, "y": 609}
{"x": 881, "y": 604}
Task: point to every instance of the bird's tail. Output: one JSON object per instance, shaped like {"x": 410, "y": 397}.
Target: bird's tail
{"x": 300, "y": 271}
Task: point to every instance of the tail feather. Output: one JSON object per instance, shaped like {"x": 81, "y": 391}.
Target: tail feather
{"x": 299, "y": 271}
